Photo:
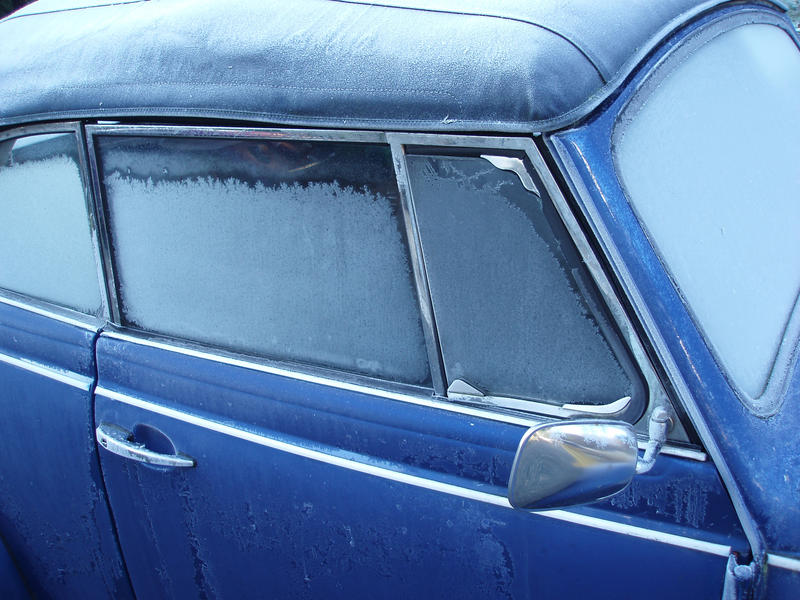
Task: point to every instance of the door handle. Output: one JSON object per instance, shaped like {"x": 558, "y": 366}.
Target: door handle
{"x": 118, "y": 441}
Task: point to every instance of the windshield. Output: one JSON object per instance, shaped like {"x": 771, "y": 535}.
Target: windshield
{"x": 708, "y": 152}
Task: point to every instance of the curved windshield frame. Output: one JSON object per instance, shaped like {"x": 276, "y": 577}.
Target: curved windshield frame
{"x": 703, "y": 147}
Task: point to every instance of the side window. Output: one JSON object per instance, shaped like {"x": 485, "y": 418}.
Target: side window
{"x": 45, "y": 237}
{"x": 291, "y": 250}
{"x": 515, "y": 309}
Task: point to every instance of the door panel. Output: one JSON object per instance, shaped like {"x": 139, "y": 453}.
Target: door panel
{"x": 11, "y": 585}
{"x": 308, "y": 490}
{"x": 53, "y": 513}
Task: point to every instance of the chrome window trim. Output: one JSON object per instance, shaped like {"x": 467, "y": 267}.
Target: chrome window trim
{"x": 347, "y": 381}
{"x": 244, "y": 133}
{"x": 784, "y": 562}
{"x": 100, "y": 212}
{"x": 39, "y": 129}
{"x": 656, "y": 394}
{"x": 75, "y": 128}
{"x": 435, "y": 359}
{"x": 343, "y": 380}
{"x": 415, "y": 480}
{"x": 87, "y": 179}
{"x": 51, "y": 311}
{"x": 69, "y": 378}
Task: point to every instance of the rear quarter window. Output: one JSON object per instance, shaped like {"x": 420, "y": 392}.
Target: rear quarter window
{"x": 45, "y": 234}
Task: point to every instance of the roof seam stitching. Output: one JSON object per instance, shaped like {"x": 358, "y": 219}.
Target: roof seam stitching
{"x": 582, "y": 52}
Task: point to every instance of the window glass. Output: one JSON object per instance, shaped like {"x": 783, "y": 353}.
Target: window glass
{"x": 45, "y": 238}
{"x": 293, "y": 250}
{"x": 513, "y": 306}
{"x": 710, "y": 159}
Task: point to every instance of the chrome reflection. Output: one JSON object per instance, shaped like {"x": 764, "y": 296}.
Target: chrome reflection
{"x": 570, "y": 463}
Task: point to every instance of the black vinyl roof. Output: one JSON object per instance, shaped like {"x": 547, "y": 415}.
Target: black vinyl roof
{"x": 427, "y": 65}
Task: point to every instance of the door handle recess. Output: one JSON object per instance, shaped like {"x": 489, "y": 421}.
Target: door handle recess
{"x": 117, "y": 440}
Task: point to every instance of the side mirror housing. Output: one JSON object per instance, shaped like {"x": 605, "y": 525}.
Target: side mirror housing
{"x": 572, "y": 462}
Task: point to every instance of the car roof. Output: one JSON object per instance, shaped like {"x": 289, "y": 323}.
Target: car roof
{"x": 427, "y": 65}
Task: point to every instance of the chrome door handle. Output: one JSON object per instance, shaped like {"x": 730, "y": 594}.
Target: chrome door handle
{"x": 117, "y": 440}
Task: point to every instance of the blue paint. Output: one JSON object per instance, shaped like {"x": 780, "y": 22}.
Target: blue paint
{"x": 53, "y": 513}
{"x": 11, "y": 585}
{"x": 782, "y": 584}
{"x": 252, "y": 521}
{"x": 253, "y": 518}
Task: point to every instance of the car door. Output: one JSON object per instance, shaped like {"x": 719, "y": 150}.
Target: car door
{"x": 317, "y": 383}
{"x": 54, "y": 519}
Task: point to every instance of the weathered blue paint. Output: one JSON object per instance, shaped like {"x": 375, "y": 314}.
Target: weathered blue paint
{"x": 54, "y": 517}
{"x": 763, "y": 453}
{"x": 782, "y": 584}
{"x": 253, "y": 519}
{"x": 11, "y": 584}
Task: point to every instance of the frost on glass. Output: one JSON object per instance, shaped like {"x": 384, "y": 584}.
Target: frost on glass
{"x": 507, "y": 288}
{"x": 710, "y": 159}
{"x": 294, "y": 251}
{"x": 45, "y": 239}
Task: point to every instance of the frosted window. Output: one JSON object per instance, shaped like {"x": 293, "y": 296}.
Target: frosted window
{"x": 710, "y": 158}
{"x": 507, "y": 288}
{"x": 291, "y": 250}
{"x": 45, "y": 239}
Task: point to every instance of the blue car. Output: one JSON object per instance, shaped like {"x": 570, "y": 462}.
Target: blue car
{"x": 399, "y": 299}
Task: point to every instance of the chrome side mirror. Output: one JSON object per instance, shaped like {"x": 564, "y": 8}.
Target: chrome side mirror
{"x": 572, "y": 462}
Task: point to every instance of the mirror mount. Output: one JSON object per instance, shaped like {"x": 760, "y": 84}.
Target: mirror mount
{"x": 658, "y": 426}
{"x": 577, "y": 462}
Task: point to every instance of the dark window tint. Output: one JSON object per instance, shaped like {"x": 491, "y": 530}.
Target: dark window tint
{"x": 514, "y": 307}
{"x": 45, "y": 238}
{"x": 292, "y": 250}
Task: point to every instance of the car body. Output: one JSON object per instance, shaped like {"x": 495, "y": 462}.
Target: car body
{"x": 321, "y": 298}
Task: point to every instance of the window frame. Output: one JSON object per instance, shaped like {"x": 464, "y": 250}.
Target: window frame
{"x": 46, "y": 307}
{"x": 397, "y": 143}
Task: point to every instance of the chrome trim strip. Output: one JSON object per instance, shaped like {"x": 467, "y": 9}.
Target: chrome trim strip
{"x": 679, "y": 452}
{"x": 446, "y": 488}
{"x": 260, "y": 133}
{"x": 87, "y": 180}
{"x": 783, "y": 562}
{"x": 509, "y": 419}
{"x": 39, "y": 129}
{"x": 326, "y": 381}
{"x": 40, "y": 307}
{"x": 70, "y": 378}
{"x": 420, "y": 272}
{"x": 106, "y": 264}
